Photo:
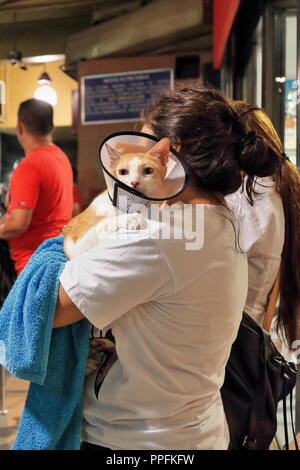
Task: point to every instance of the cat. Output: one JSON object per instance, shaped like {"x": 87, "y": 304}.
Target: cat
{"x": 143, "y": 171}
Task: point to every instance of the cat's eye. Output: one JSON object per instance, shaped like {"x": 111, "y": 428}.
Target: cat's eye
{"x": 123, "y": 172}
{"x": 148, "y": 171}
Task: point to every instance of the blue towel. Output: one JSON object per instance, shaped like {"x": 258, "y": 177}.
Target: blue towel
{"x": 53, "y": 360}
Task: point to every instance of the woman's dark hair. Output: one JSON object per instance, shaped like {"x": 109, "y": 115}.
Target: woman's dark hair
{"x": 212, "y": 138}
{"x": 288, "y": 184}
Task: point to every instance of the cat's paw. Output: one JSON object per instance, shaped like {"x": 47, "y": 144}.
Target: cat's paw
{"x": 128, "y": 221}
{"x": 91, "y": 367}
{"x": 135, "y": 222}
{"x": 106, "y": 210}
{"x": 69, "y": 248}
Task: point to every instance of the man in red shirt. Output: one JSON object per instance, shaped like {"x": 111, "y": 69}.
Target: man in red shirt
{"x": 41, "y": 187}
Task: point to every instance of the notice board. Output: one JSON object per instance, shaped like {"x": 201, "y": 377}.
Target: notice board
{"x": 119, "y": 97}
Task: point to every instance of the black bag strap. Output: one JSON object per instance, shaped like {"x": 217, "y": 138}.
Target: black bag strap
{"x": 258, "y": 403}
{"x": 257, "y": 409}
{"x": 286, "y": 433}
{"x": 292, "y": 420}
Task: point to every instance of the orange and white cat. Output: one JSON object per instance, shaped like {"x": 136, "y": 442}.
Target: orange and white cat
{"x": 143, "y": 171}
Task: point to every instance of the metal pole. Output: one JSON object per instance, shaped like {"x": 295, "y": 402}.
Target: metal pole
{"x": 3, "y": 411}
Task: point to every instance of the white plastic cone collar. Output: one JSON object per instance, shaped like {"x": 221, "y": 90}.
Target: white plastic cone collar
{"x": 126, "y": 198}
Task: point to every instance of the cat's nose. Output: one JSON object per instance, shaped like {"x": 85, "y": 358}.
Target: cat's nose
{"x": 134, "y": 184}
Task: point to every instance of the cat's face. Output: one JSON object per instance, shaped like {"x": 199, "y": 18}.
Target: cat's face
{"x": 144, "y": 172}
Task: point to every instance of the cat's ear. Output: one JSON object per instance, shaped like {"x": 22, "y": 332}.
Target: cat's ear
{"x": 161, "y": 150}
{"x": 114, "y": 156}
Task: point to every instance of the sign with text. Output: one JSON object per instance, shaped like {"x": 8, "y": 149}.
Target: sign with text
{"x": 120, "y": 97}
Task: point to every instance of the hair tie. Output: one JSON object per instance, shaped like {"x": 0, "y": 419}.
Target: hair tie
{"x": 249, "y": 138}
{"x": 284, "y": 157}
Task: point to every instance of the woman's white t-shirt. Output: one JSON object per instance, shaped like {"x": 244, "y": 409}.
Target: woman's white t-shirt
{"x": 261, "y": 229}
{"x": 174, "y": 313}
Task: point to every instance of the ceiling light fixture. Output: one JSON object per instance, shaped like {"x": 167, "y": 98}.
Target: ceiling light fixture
{"x": 46, "y": 93}
{"x": 44, "y": 79}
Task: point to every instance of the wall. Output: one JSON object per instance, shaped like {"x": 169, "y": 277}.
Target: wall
{"x": 21, "y": 85}
{"x": 91, "y": 180}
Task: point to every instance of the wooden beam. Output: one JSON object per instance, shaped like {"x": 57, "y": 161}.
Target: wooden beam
{"x": 4, "y": 2}
{"x": 24, "y": 16}
{"x": 196, "y": 45}
{"x": 285, "y": 4}
{"x": 112, "y": 8}
{"x": 154, "y": 25}
{"x": 40, "y": 4}
{"x": 40, "y": 38}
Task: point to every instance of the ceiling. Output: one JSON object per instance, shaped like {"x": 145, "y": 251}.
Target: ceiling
{"x": 38, "y": 10}
{"x": 39, "y": 27}
{"x": 53, "y": 28}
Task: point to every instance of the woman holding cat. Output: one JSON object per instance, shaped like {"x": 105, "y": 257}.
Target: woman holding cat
{"x": 174, "y": 313}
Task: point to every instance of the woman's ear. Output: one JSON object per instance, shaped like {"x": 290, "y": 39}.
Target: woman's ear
{"x": 147, "y": 130}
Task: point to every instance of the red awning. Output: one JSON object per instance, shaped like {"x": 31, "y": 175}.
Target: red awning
{"x": 224, "y": 14}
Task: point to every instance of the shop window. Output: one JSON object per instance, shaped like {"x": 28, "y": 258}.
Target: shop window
{"x": 252, "y": 79}
{"x": 290, "y": 88}
{"x": 187, "y": 67}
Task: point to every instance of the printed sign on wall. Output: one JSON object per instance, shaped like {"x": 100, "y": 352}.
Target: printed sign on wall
{"x": 120, "y": 97}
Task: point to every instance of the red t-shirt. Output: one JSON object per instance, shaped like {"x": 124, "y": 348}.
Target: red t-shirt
{"x": 43, "y": 181}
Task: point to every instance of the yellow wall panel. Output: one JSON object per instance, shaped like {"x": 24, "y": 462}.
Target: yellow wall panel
{"x": 21, "y": 85}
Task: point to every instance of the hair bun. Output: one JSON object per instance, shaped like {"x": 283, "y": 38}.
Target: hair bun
{"x": 249, "y": 138}
{"x": 254, "y": 157}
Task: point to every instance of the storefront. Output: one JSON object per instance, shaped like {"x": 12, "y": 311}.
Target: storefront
{"x": 260, "y": 63}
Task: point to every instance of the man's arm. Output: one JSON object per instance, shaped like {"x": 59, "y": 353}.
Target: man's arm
{"x": 14, "y": 224}
{"x": 66, "y": 312}
{"x": 76, "y": 209}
